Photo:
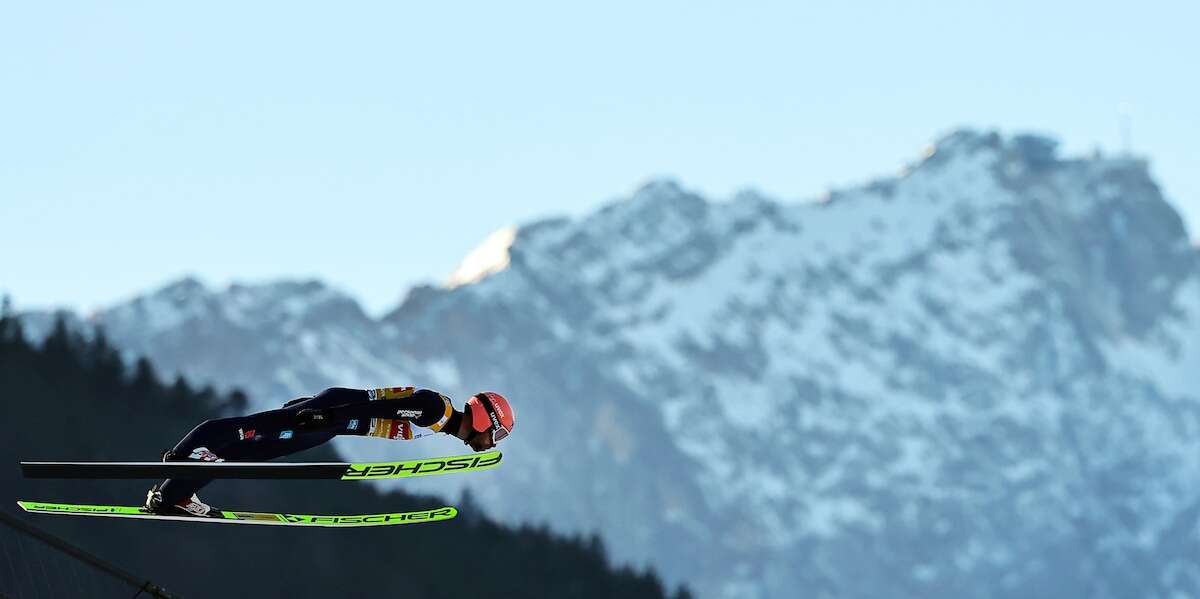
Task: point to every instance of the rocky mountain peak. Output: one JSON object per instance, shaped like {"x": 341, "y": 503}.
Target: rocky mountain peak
{"x": 924, "y": 385}
{"x": 183, "y": 289}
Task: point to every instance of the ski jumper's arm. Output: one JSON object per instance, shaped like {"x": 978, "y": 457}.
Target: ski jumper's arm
{"x": 388, "y": 412}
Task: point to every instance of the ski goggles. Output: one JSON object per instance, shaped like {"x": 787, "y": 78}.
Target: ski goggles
{"x": 498, "y": 430}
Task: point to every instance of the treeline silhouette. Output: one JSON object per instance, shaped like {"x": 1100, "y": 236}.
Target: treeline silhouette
{"x": 71, "y": 398}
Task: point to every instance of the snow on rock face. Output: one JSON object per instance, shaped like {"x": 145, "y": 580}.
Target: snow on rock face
{"x": 920, "y": 348}
{"x": 278, "y": 340}
{"x": 490, "y": 257}
{"x": 972, "y": 380}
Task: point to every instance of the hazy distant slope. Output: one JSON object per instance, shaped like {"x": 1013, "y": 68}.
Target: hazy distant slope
{"x": 971, "y": 380}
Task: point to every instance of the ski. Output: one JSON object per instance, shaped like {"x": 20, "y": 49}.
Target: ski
{"x": 263, "y": 470}
{"x": 236, "y": 517}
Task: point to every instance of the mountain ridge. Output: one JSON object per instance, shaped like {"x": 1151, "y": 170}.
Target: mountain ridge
{"x": 844, "y": 382}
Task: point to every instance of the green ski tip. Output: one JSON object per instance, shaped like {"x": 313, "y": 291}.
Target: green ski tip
{"x": 238, "y": 517}
{"x": 424, "y": 467}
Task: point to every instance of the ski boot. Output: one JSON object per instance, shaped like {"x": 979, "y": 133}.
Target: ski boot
{"x": 186, "y": 507}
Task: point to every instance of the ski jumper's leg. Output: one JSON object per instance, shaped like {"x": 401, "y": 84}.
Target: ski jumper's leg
{"x": 253, "y": 438}
{"x": 271, "y": 433}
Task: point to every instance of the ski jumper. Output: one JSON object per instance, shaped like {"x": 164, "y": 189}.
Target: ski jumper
{"x": 388, "y": 413}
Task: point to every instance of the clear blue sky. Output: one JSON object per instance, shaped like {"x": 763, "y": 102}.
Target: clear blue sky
{"x": 374, "y": 144}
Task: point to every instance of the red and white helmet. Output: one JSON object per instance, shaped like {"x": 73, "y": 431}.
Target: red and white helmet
{"x": 490, "y": 411}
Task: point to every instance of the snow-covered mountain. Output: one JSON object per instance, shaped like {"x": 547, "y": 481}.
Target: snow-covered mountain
{"x": 975, "y": 379}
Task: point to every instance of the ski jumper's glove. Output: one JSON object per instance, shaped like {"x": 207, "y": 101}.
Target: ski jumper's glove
{"x": 313, "y": 419}
{"x": 395, "y": 412}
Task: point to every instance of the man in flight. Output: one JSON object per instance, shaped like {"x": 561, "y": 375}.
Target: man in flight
{"x": 401, "y": 413}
